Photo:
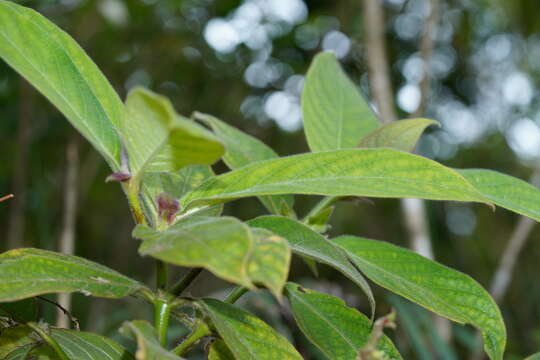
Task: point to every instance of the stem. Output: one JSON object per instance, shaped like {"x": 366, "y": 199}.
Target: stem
{"x": 162, "y": 312}
{"x": 321, "y": 205}
{"x": 6, "y": 197}
{"x": 183, "y": 283}
{"x": 132, "y": 191}
{"x": 49, "y": 340}
{"x": 200, "y": 331}
{"x": 235, "y": 294}
{"x": 162, "y": 275}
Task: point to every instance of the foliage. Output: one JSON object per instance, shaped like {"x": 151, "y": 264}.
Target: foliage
{"x": 161, "y": 160}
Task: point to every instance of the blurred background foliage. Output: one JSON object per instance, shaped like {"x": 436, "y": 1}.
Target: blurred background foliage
{"x": 244, "y": 62}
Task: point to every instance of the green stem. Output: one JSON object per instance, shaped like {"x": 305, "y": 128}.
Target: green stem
{"x": 162, "y": 312}
{"x": 162, "y": 275}
{"x": 322, "y": 205}
{"x": 132, "y": 192}
{"x": 201, "y": 330}
{"x": 184, "y": 282}
{"x": 235, "y": 294}
{"x": 49, "y": 340}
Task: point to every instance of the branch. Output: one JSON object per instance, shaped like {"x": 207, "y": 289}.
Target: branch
{"x": 369, "y": 351}
{"x": 6, "y": 197}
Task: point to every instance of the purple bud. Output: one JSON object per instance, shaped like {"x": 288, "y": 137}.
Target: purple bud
{"x": 118, "y": 177}
{"x": 168, "y": 207}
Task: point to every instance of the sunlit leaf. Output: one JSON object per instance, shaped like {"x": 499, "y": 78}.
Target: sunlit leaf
{"x": 336, "y": 329}
{"x": 220, "y": 351}
{"x": 506, "y": 191}
{"x": 31, "y": 272}
{"x": 355, "y": 172}
{"x": 60, "y": 69}
{"x": 269, "y": 261}
{"x": 336, "y": 115}
{"x": 436, "y": 287}
{"x": 306, "y": 242}
{"x": 148, "y": 347}
{"x": 221, "y": 245}
{"x": 243, "y": 149}
{"x": 248, "y": 337}
{"x": 400, "y": 135}
{"x": 159, "y": 140}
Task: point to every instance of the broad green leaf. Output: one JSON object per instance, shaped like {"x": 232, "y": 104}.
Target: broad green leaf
{"x": 82, "y": 345}
{"x": 354, "y": 172}
{"x": 534, "y": 357}
{"x": 243, "y": 149}
{"x": 336, "y": 329}
{"x": 436, "y": 287}
{"x": 31, "y": 272}
{"x": 148, "y": 347}
{"x": 219, "y": 244}
{"x": 269, "y": 261}
{"x": 60, "y": 69}
{"x": 306, "y": 242}
{"x": 175, "y": 184}
{"x": 220, "y": 351}
{"x": 506, "y": 191}
{"x": 159, "y": 140}
{"x": 248, "y": 337}
{"x": 336, "y": 115}
{"x": 401, "y": 135}
{"x": 20, "y": 311}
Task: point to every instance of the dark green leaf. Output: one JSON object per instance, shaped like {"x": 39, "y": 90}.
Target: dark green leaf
{"x": 308, "y": 243}
{"x": 57, "y": 66}
{"x": 436, "y": 287}
{"x": 31, "y": 272}
{"x": 82, "y": 345}
{"x": 13, "y": 337}
{"x": 248, "y": 337}
{"x": 400, "y": 135}
{"x": 336, "y": 329}
{"x": 241, "y": 150}
{"x": 220, "y": 351}
{"x": 534, "y": 357}
{"x": 355, "y": 172}
{"x": 335, "y": 115}
{"x": 148, "y": 347}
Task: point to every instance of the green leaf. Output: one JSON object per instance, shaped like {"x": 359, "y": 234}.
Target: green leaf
{"x": 31, "y": 272}
{"x": 269, "y": 261}
{"x": 82, "y": 345}
{"x": 506, "y": 191}
{"x": 13, "y": 337}
{"x": 220, "y": 351}
{"x": 221, "y": 245}
{"x": 336, "y": 329}
{"x": 534, "y": 357}
{"x": 57, "y": 66}
{"x": 248, "y": 337}
{"x": 159, "y": 140}
{"x": 356, "y": 172}
{"x": 319, "y": 221}
{"x": 32, "y": 351}
{"x": 436, "y": 287}
{"x": 336, "y": 115}
{"x": 20, "y": 311}
{"x": 148, "y": 347}
{"x": 401, "y": 135}
{"x": 175, "y": 184}
{"x": 308, "y": 243}
{"x": 243, "y": 149}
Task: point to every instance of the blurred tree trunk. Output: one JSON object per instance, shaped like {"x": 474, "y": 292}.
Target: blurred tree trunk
{"x": 15, "y": 237}
{"x": 67, "y": 238}
{"x": 414, "y": 211}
